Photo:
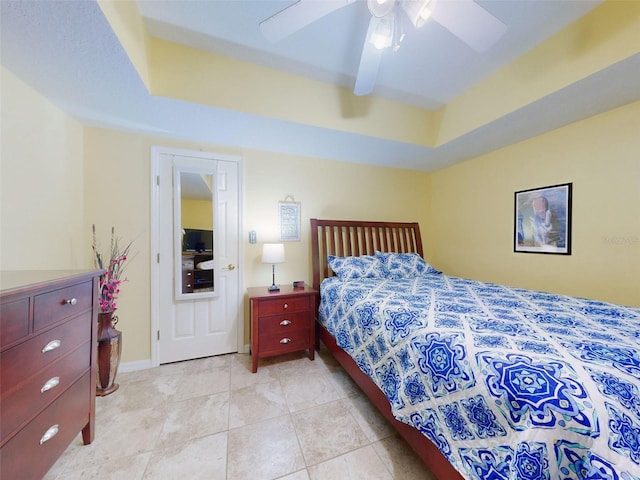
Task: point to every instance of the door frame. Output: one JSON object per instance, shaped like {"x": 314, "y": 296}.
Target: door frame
{"x": 156, "y": 151}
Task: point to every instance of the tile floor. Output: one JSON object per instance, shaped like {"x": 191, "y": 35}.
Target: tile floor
{"x": 213, "y": 419}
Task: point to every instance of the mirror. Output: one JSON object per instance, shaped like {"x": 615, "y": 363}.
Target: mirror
{"x": 194, "y": 198}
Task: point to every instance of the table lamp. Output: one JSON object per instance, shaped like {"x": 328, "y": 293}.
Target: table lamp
{"x": 273, "y": 253}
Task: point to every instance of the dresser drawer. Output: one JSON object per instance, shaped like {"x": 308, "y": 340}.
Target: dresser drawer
{"x": 14, "y": 321}
{"x": 29, "y": 455}
{"x": 187, "y": 281}
{"x": 188, "y": 263}
{"x": 28, "y": 358}
{"x": 284, "y": 305}
{"x": 281, "y": 324}
{"x": 32, "y": 395}
{"x": 52, "y": 307}
{"x": 277, "y": 343}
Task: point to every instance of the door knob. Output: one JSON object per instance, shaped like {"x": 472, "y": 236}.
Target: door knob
{"x": 231, "y": 267}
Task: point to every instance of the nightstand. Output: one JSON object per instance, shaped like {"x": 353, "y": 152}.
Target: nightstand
{"x": 281, "y": 322}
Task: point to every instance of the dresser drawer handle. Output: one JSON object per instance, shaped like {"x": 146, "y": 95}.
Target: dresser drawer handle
{"x": 49, "y": 384}
{"x": 71, "y": 301}
{"x": 286, "y": 305}
{"x": 285, "y": 340}
{"x": 52, "y": 345}
{"x": 50, "y": 433}
{"x": 284, "y": 323}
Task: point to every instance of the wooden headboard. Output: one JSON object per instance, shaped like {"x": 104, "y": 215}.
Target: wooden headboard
{"x": 347, "y": 237}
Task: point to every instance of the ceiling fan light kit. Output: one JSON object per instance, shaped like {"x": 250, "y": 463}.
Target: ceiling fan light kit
{"x": 380, "y": 8}
{"x": 465, "y": 19}
{"x": 418, "y": 11}
{"x": 382, "y": 36}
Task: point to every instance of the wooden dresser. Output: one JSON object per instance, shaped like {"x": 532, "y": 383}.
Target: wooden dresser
{"x": 281, "y": 321}
{"x": 193, "y": 279}
{"x": 48, "y": 325}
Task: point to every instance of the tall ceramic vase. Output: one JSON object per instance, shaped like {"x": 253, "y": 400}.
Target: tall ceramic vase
{"x": 109, "y": 350}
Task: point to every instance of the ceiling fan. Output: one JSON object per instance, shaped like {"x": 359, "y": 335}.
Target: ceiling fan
{"x": 464, "y": 18}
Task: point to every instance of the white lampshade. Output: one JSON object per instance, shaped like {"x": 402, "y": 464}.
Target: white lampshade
{"x": 273, "y": 253}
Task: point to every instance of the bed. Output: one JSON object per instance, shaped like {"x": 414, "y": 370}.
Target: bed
{"x": 482, "y": 380}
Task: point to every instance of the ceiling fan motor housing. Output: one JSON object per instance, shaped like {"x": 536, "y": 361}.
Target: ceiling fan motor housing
{"x": 380, "y": 8}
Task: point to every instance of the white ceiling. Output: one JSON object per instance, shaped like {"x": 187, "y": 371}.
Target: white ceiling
{"x": 67, "y": 51}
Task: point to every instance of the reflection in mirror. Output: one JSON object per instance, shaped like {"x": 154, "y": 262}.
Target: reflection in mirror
{"x": 196, "y": 220}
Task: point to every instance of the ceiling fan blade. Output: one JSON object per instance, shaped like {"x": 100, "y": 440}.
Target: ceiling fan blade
{"x": 297, "y": 16}
{"x": 369, "y": 63}
{"x": 469, "y": 22}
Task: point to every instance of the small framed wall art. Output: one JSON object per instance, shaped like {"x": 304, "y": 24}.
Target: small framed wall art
{"x": 542, "y": 220}
{"x": 289, "y": 213}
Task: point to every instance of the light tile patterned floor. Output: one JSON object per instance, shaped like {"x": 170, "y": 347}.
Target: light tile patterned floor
{"x": 213, "y": 419}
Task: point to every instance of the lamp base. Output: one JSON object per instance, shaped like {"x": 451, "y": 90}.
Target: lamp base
{"x": 274, "y": 288}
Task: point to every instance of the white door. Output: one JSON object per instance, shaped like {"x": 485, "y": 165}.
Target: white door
{"x": 202, "y": 323}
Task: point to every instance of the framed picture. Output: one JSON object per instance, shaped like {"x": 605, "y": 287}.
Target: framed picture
{"x": 542, "y": 220}
{"x": 289, "y": 221}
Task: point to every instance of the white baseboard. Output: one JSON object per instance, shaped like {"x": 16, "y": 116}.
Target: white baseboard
{"x": 145, "y": 364}
{"x": 134, "y": 366}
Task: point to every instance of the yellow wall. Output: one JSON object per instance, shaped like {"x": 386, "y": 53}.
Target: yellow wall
{"x": 41, "y": 179}
{"x": 197, "y": 214}
{"x": 325, "y": 189}
{"x": 117, "y": 177}
{"x": 473, "y": 206}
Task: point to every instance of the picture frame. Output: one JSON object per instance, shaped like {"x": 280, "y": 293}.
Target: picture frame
{"x": 289, "y": 213}
{"x": 542, "y": 220}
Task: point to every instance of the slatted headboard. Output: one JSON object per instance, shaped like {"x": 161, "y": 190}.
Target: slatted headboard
{"x": 347, "y": 237}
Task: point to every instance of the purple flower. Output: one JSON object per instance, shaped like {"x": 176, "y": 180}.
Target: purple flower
{"x": 110, "y": 281}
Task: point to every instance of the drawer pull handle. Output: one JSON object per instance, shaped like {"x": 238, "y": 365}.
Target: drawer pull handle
{"x": 285, "y": 340}
{"x": 49, "y": 384}
{"x": 286, "y": 305}
{"x": 284, "y": 323}
{"x": 71, "y": 301}
{"x": 50, "y": 433}
{"x": 52, "y": 345}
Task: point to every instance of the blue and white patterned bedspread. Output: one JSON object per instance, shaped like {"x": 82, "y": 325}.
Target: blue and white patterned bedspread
{"x": 508, "y": 383}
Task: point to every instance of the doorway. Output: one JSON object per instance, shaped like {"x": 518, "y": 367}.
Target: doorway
{"x": 196, "y": 218}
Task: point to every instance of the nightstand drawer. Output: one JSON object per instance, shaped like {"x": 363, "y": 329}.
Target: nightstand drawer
{"x": 292, "y": 341}
{"x": 284, "y": 323}
{"x": 284, "y": 305}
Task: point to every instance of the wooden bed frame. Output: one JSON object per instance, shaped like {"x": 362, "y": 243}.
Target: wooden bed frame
{"x": 345, "y": 238}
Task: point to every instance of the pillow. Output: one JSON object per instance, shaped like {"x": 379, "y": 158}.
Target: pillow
{"x": 348, "y": 268}
{"x": 404, "y": 265}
